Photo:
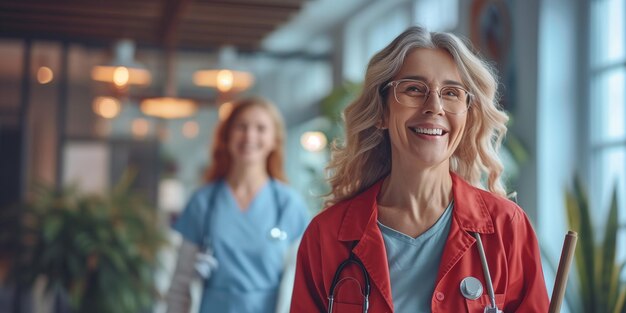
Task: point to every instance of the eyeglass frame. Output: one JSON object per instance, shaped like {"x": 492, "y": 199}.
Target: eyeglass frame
{"x": 395, "y": 83}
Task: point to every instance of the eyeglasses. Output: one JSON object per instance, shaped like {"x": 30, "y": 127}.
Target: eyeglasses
{"x": 414, "y": 93}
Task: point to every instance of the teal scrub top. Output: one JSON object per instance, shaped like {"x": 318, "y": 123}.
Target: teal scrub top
{"x": 250, "y": 261}
{"x": 414, "y": 263}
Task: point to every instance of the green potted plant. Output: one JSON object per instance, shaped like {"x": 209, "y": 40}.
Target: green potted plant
{"x": 600, "y": 289}
{"x": 100, "y": 250}
{"x": 333, "y": 104}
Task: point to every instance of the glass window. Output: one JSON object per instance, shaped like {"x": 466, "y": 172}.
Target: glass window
{"x": 380, "y": 33}
{"x": 371, "y": 30}
{"x": 608, "y": 32}
{"x": 610, "y": 171}
{"x": 607, "y": 107}
{"x": 437, "y": 15}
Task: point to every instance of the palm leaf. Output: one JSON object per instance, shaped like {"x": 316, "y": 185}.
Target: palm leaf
{"x": 585, "y": 240}
{"x": 600, "y": 287}
{"x": 609, "y": 267}
{"x": 619, "y": 288}
{"x": 619, "y": 306}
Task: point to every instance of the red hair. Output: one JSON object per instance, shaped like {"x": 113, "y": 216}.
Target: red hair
{"x": 222, "y": 161}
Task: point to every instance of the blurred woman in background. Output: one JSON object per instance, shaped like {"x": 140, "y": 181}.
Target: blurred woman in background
{"x": 237, "y": 228}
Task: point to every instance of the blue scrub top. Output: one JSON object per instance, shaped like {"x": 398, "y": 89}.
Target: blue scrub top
{"x": 414, "y": 263}
{"x": 250, "y": 261}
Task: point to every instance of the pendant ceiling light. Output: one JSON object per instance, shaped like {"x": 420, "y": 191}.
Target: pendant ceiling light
{"x": 227, "y": 78}
{"x": 123, "y": 70}
{"x": 169, "y": 106}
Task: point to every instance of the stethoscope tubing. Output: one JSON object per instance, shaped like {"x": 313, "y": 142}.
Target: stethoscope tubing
{"x": 483, "y": 261}
{"x": 354, "y": 259}
{"x": 366, "y": 292}
{"x": 206, "y": 231}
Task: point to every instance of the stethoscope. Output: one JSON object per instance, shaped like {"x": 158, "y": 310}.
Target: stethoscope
{"x": 276, "y": 233}
{"x": 206, "y": 263}
{"x": 366, "y": 292}
{"x": 471, "y": 288}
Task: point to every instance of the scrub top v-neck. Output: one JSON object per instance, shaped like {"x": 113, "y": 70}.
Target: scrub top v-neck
{"x": 250, "y": 262}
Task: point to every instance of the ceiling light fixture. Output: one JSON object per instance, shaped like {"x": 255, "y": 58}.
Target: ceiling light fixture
{"x": 168, "y": 106}
{"x": 226, "y": 78}
{"x": 44, "y": 75}
{"x": 107, "y": 107}
{"x": 123, "y": 70}
{"x": 313, "y": 141}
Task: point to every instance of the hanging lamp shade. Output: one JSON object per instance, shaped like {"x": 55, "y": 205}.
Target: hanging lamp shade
{"x": 123, "y": 70}
{"x": 224, "y": 80}
{"x": 227, "y": 77}
{"x": 169, "y": 106}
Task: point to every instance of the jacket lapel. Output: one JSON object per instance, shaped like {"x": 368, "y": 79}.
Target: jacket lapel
{"x": 360, "y": 224}
{"x": 470, "y": 214}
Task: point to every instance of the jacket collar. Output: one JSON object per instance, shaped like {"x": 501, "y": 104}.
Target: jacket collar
{"x": 360, "y": 224}
{"x": 470, "y": 208}
{"x": 470, "y": 211}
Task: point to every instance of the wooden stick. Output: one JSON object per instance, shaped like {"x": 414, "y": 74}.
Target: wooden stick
{"x": 567, "y": 254}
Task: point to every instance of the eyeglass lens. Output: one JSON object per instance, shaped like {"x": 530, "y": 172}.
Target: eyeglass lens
{"x": 415, "y": 93}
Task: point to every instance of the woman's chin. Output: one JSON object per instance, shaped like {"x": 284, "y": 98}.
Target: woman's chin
{"x": 249, "y": 159}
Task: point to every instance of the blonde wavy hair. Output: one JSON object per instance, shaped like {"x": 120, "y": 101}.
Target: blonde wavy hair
{"x": 364, "y": 156}
{"x": 222, "y": 161}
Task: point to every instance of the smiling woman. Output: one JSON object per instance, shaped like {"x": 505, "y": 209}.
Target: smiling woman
{"x": 238, "y": 227}
{"x": 419, "y": 140}
{"x": 410, "y": 227}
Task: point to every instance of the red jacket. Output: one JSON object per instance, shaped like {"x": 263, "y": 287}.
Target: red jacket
{"x": 507, "y": 235}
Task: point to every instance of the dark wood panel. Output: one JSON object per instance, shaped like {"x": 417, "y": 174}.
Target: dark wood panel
{"x": 217, "y": 29}
{"x": 44, "y": 20}
{"x": 197, "y": 17}
{"x": 116, "y": 3}
{"x": 260, "y": 4}
{"x": 243, "y": 11}
{"x": 210, "y": 44}
{"x": 191, "y": 38}
{"x": 193, "y": 24}
{"x": 171, "y": 16}
{"x": 273, "y": 2}
{"x": 128, "y": 9}
{"x": 69, "y": 32}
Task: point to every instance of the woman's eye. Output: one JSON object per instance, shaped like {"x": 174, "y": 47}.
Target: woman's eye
{"x": 414, "y": 89}
{"x": 450, "y": 92}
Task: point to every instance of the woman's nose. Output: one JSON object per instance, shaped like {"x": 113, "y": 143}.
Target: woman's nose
{"x": 432, "y": 104}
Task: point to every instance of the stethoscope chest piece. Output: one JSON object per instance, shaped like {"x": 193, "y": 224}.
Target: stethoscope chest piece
{"x": 278, "y": 234}
{"x": 471, "y": 288}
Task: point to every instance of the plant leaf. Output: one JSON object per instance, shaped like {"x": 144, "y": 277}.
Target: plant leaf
{"x": 607, "y": 264}
{"x": 578, "y": 212}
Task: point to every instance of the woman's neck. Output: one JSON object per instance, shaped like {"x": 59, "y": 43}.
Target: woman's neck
{"x": 247, "y": 177}
{"x": 413, "y": 203}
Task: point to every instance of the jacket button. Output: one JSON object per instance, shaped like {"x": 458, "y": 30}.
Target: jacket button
{"x": 439, "y": 296}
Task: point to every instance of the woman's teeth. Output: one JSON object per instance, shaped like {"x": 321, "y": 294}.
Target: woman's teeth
{"x": 428, "y": 131}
